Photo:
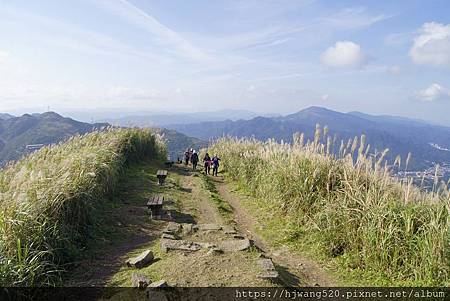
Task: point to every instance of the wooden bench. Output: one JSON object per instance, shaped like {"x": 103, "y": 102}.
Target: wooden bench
{"x": 161, "y": 175}
{"x": 155, "y": 205}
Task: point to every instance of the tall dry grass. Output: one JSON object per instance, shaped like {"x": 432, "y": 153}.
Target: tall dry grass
{"x": 342, "y": 201}
{"x": 49, "y": 200}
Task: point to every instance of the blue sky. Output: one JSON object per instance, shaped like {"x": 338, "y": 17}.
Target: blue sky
{"x": 379, "y": 57}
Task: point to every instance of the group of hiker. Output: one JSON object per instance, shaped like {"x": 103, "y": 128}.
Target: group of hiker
{"x": 191, "y": 156}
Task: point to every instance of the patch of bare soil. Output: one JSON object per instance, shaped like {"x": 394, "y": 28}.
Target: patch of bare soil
{"x": 309, "y": 272}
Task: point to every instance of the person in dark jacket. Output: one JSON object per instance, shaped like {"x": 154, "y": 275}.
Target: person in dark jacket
{"x": 207, "y": 164}
{"x": 187, "y": 156}
{"x": 215, "y": 163}
{"x": 194, "y": 160}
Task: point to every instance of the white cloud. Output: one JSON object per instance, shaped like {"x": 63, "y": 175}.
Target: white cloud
{"x": 433, "y": 93}
{"x": 432, "y": 45}
{"x": 344, "y": 54}
{"x": 325, "y": 97}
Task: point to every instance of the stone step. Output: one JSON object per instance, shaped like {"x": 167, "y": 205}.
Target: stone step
{"x": 183, "y": 245}
{"x": 235, "y": 245}
{"x": 144, "y": 259}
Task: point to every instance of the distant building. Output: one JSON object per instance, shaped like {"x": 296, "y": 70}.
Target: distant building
{"x": 33, "y": 147}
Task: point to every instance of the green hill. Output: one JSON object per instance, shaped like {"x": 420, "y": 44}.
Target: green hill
{"x": 177, "y": 143}
{"x": 47, "y": 128}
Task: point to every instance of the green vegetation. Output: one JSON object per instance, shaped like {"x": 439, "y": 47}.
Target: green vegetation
{"x": 51, "y": 201}
{"x": 222, "y": 206}
{"x": 346, "y": 209}
{"x": 46, "y": 128}
{"x": 177, "y": 143}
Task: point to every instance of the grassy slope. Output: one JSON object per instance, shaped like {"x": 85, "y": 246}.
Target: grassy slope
{"x": 375, "y": 229}
{"x": 52, "y": 201}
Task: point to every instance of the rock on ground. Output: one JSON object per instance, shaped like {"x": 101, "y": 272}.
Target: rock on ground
{"x": 269, "y": 269}
{"x": 169, "y": 236}
{"x": 139, "y": 281}
{"x": 229, "y": 230}
{"x": 235, "y": 245}
{"x": 142, "y": 260}
{"x": 160, "y": 283}
{"x": 214, "y": 251}
{"x": 266, "y": 264}
{"x": 183, "y": 245}
{"x": 172, "y": 228}
{"x": 187, "y": 229}
{"x": 206, "y": 245}
{"x": 209, "y": 227}
{"x": 268, "y": 275}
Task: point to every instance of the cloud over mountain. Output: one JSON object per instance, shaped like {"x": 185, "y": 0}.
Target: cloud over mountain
{"x": 433, "y": 93}
{"x": 344, "y": 54}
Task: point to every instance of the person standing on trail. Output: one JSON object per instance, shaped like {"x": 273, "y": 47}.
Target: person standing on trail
{"x": 194, "y": 160}
{"x": 215, "y": 162}
{"x": 187, "y": 156}
{"x": 207, "y": 164}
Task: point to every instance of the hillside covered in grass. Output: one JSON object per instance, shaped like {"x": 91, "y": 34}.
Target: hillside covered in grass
{"x": 345, "y": 209}
{"x": 50, "y": 201}
{"x": 47, "y": 128}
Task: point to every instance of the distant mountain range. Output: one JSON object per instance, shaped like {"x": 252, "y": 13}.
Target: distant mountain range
{"x": 177, "y": 143}
{"x": 163, "y": 119}
{"x": 426, "y": 142}
{"x": 27, "y": 133}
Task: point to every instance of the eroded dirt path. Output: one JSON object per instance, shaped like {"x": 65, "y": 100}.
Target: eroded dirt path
{"x": 309, "y": 272}
{"x": 187, "y": 202}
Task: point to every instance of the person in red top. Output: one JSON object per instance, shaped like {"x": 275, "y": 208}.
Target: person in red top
{"x": 207, "y": 164}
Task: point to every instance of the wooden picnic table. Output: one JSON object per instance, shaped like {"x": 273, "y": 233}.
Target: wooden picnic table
{"x": 161, "y": 175}
{"x": 155, "y": 205}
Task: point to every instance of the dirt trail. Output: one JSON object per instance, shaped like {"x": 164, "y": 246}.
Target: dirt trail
{"x": 309, "y": 272}
{"x": 188, "y": 200}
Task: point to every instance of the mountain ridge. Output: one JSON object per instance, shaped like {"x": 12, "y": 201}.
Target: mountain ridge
{"x": 401, "y": 135}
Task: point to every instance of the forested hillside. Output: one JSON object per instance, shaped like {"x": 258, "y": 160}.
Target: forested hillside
{"x": 47, "y": 128}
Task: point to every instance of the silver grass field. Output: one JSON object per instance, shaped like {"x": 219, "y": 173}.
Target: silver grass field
{"x": 341, "y": 202}
{"x": 49, "y": 201}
